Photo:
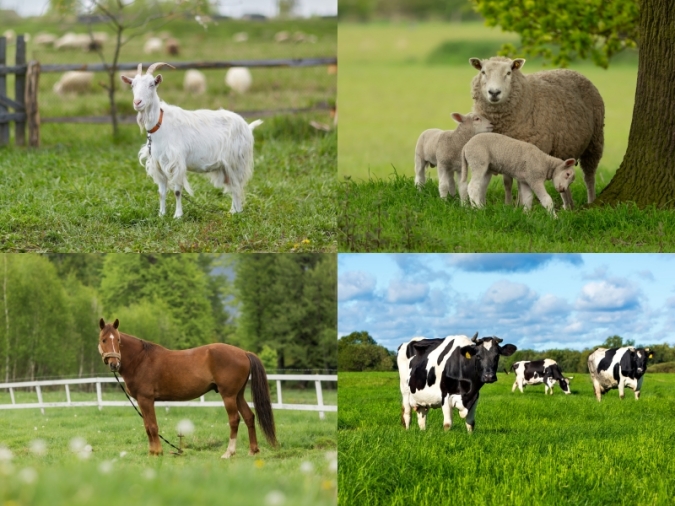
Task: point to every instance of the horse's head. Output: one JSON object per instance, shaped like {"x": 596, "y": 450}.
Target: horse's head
{"x": 110, "y": 344}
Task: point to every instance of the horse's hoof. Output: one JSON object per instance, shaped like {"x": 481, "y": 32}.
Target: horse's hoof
{"x": 227, "y": 455}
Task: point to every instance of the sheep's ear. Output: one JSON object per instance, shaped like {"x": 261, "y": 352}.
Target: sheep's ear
{"x": 518, "y": 64}
{"x": 458, "y": 117}
{"x": 570, "y": 162}
{"x": 158, "y": 79}
{"x": 101, "y": 323}
{"x": 475, "y": 63}
{"x": 126, "y": 79}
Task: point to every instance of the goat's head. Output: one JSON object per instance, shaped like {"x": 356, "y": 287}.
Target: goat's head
{"x": 144, "y": 87}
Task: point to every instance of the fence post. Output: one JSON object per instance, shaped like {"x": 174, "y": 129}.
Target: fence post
{"x": 98, "y": 395}
{"x": 39, "y": 393}
{"x": 11, "y": 394}
{"x": 319, "y": 398}
{"x": 31, "y": 103}
{"x": 279, "y": 392}
{"x": 20, "y": 91}
{"x": 67, "y": 393}
{"x": 4, "y": 126}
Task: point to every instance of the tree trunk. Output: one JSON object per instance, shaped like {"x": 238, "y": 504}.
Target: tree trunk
{"x": 647, "y": 174}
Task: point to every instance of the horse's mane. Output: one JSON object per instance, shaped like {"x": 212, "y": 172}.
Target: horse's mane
{"x": 146, "y": 345}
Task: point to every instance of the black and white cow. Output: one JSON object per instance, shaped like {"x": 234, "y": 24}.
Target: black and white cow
{"x": 447, "y": 373}
{"x": 534, "y": 372}
{"x": 618, "y": 368}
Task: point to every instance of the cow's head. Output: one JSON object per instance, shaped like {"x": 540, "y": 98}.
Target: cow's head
{"x": 634, "y": 362}
{"x": 565, "y": 385}
{"x": 487, "y": 352}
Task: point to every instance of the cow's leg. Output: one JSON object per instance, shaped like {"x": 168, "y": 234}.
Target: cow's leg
{"x": 515, "y": 385}
{"x": 233, "y": 415}
{"x": 249, "y": 420}
{"x": 621, "y": 389}
{"x": 422, "y": 417}
{"x": 447, "y": 413}
{"x": 147, "y": 405}
{"x": 470, "y": 419}
{"x": 405, "y": 413}
{"x": 598, "y": 390}
{"x": 545, "y": 389}
{"x": 638, "y": 388}
{"x": 520, "y": 386}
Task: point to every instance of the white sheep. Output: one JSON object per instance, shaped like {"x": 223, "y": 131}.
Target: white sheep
{"x": 239, "y": 79}
{"x": 217, "y": 143}
{"x": 194, "y": 82}
{"x": 240, "y": 37}
{"x": 44, "y": 39}
{"x": 282, "y": 36}
{"x": 492, "y": 153}
{"x": 72, "y": 40}
{"x": 560, "y": 111}
{"x": 74, "y": 82}
{"x": 443, "y": 148}
{"x": 153, "y": 45}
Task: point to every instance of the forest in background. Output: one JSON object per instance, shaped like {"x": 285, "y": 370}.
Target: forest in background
{"x": 358, "y": 351}
{"x": 369, "y": 10}
{"x": 282, "y": 307}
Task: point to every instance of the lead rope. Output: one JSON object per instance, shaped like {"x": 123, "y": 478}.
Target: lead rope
{"x": 139, "y": 413}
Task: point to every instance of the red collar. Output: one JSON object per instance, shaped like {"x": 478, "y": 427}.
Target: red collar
{"x": 159, "y": 123}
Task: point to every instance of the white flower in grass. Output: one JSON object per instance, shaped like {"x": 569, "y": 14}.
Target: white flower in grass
{"x": 149, "y": 474}
{"x": 275, "y": 498}
{"x": 306, "y": 467}
{"x": 5, "y": 454}
{"x": 28, "y": 475}
{"x": 185, "y": 427}
{"x": 122, "y": 454}
{"x": 105, "y": 467}
{"x": 77, "y": 444}
{"x": 38, "y": 447}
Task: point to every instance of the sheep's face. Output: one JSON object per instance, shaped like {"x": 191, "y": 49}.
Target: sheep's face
{"x": 478, "y": 123}
{"x": 144, "y": 88}
{"x": 563, "y": 175}
{"x": 495, "y": 77}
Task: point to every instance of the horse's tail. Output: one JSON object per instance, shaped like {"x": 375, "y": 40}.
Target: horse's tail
{"x": 261, "y": 398}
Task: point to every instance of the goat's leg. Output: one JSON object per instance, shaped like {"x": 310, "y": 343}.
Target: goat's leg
{"x": 162, "y": 182}
{"x": 237, "y": 199}
{"x": 178, "y": 190}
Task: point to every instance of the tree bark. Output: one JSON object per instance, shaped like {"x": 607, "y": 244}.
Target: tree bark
{"x": 647, "y": 174}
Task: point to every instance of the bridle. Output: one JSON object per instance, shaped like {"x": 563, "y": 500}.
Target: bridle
{"x": 112, "y": 354}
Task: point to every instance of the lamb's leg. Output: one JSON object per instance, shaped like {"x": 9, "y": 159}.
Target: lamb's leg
{"x": 446, "y": 182}
{"x": 568, "y": 203}
{"x": 525, "y": 195}
{"x": 543, "y": 196}
{"x": 420, "y": 171}
{"x": 478, "y": 187}
{"x": 508, "y": 189}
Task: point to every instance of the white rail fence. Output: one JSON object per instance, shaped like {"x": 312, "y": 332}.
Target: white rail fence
{"x": 201, "y": 403}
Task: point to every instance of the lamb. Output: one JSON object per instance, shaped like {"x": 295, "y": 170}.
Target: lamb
{"x": 153, "y": 45}
{"x": 559, "y": 111}
{"x": 74, "y": 82}
{"x": 72, "y": 40}
{"x": 443, "y": 148}
{"x": 194, "y": 82}
{"x": 239, "y": 79}
{"x": 493, "y": 153}
{"x": 218, "y": 143}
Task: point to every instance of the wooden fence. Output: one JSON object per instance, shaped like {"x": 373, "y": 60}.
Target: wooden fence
{"x": 25, "y": 102}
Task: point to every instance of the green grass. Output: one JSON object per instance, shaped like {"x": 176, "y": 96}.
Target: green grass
{"x": 526, "y": 449}
{"x": 398, "y": 79}
{"x": 83, "y": 192}
{"x": 199, "y": 476}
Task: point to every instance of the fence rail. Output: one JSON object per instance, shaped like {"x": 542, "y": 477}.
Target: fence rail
{"x": 201, "y": 403}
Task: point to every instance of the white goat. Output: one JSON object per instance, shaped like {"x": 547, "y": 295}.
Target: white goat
{"x": 218, "y": 143}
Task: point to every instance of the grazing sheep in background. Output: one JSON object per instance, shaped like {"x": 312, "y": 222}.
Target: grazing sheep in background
{"x": 218, "y": 143}
{"x": 74, "y": 82}
{"x": 172, "y": 46}
{"x": 443, "y": 148}
{"x": 194, "y": 82}
{"x": 153, "y": 45}
{"x": 239, "y": 79}
{"x": 10, "y": 35}
{"x": 240, "y": 37}
{"x": 491, "y": 153}
{"x": 559, "y": 111}
{"x": 100, "y": 37}
{"x": 72, "y": 40}
{"x": 282, "y": 36}
{"x": 45, "y": 39}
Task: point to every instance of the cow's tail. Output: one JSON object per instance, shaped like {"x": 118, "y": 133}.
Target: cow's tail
{"x": 260, "y": 392}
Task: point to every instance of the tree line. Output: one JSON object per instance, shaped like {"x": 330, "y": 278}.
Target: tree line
{"x": 282, "y": 307}
{"x": 358, "y": 351}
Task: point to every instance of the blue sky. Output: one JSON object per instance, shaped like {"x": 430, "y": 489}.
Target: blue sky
{"x": 537, "y": 301}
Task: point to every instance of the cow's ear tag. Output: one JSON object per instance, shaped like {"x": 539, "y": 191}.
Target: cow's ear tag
{"x": 651, "y": 355}
{"x": 467, "y": 355}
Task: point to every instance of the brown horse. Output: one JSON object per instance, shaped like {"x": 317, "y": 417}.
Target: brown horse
{"x": 153, "y": 373}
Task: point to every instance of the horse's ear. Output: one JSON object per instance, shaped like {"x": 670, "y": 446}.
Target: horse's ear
{"x": 101, "y": 323}
{"x": 117, "y": 323}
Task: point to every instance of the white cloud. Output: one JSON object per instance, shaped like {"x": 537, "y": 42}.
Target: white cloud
{"x": 355, "y": 285}
{"x": 609, "y": 295}
{"x": 405, "y": 292}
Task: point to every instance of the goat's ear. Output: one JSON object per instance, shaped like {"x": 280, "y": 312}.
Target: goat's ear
{"x": 475, "y": 63}
{"x": 158, "y": 79}
{"x": 101, "y": 323}
{"x": 126, "y": 79}
{"x": 117, "y": 323}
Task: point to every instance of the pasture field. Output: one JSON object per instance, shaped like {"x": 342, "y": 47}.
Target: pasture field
{"x": 82, "y": 191}
{"x": 301, "y": 471}
{"x": 526, "y": 448}
{"x": 398, "y": 79}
